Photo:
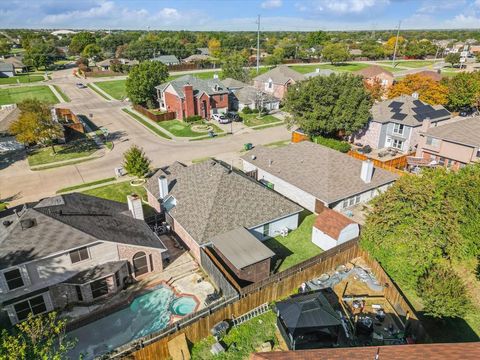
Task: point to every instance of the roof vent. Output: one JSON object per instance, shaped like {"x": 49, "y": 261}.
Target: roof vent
{"x": 7, "y": 223}
{"x": 270, "y": 162}
{"x": 253, "y": 157}
{"x": 27, "y": 223}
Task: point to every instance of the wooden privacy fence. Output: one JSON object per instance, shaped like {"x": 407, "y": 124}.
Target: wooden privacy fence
{"x": 393, "y": 165}
{"x": 155, "y": 117}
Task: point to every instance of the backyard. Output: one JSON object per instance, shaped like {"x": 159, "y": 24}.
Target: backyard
{"x": 73, "y": 150}
{"x": 296, "y": 247}
{"x": 183, "y": 129}
{"x": 21, "y": 78}
{"x": 253, "y": 120}
{"x": 16, "y": 95}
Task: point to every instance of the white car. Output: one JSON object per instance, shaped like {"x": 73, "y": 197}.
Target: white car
{"x": 222, "y": 119}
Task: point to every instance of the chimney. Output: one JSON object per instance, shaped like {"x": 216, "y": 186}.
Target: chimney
{"x": 189, "y": 102}
{"x": 426, "y": 124}
{"x": 367, "y": 171}
{"x": 163, "y": 187}
{"x": 135, "y": 206}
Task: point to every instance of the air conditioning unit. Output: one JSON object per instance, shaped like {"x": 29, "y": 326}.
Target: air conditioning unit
{"x": 284, "y": 232}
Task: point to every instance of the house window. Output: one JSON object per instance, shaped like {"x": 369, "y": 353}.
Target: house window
{"x": 432, "y": 141}
{"x": 150, "y": 259}
{"x": 140, "y": 265}
{"x": 117, "y": 279}
{"x": 14, "y": 279}
{"x": 79, "y": 255}
{"x": 441, "y": 161}
{"x": 35, "y": 305}
{"x": 478, "y": 153}
{"x": 397, "y": 144}
{"x": 78, "y": 289}
{"x": 398, "y": 129}
{"x": 221, "y": 98}
{"x": 354, "y": 200}
{"x": 99, "y": 288}
{"x": 266, "y": 230}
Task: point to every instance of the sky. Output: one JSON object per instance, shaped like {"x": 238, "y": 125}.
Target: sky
{"x": 293, "y": 15}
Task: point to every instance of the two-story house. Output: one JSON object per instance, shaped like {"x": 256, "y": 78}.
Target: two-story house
{"x": 452, "y": 145}
{"x": 396, "y": 123}
{"x": 276, "y": 81}
{"x": 189, "y": 96}
{"x": 72, "y": 249}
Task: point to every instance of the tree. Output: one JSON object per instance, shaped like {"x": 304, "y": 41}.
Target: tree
{"x": 80, "y": 41}
{"x": 276, "y": 58}
{"x": 142, "y": 80}
{"x": 214, "y": 47}
{"x": 453, "y": 58}
{"x": 136, "y": 162}
{"x": 330, "y": 104}
{"x": 316, "y": 38}
{"x": 464, "y": 90}
{"x": 389, "y": 46}
{"x": 39, "y": 337}
{"x": 375, "y": 88}
{"x": 92, "y": 51}
{"x": 41, "y": 54}
{"x": 234, "y": 66}
{"x": 430, "y": 91}
{"x": 335, "y": 53}
{"x": 4, "y": 47}
{"x": 372, "y": 50}
{"x": 35, "y": 124}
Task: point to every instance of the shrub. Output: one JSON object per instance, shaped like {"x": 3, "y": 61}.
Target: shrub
{"x": 135, "y": 162}
{"x": 255, "y": 111}
{"x": 335, "y": 144}
{"x": 150, "y": 104}
{"x": 246, "y": 110}
{"x": 192, "y": 119}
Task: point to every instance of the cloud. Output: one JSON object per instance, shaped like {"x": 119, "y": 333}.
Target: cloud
{"x": 344, "y": 6}
{"x": 271, "y": 4}
{"x": 462, "y": 21}
{"x": 100, "y": 10}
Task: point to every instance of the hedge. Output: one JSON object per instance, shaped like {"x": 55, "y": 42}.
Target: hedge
{"x": 332, "y": 143}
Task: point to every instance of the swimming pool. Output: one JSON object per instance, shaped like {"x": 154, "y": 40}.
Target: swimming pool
{"x": 146, "y": 314}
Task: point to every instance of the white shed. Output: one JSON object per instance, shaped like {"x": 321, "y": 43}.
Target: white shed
{"x": 331, "y": 228}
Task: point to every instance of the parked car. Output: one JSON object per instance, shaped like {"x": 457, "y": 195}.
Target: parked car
{"x": 222, "y": 119}
{"x": 80, "y": 85}
{"x": 233, "y": 116}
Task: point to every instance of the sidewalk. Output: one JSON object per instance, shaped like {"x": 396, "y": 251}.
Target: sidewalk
{"x": 56, "y": 93}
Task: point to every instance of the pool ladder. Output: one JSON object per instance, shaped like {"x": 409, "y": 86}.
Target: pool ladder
{"x": 259, "y": 310}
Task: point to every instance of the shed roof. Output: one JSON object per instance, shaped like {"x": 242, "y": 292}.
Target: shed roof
{"x": 241, "y": 248}
{"x": 332, "y": 222}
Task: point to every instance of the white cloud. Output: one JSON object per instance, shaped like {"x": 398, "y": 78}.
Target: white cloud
{"x": 101, "y": 10}
{"x": 271, "y": 4}
{"x": 462, "y": 21}
{"x": 345, "y": 6}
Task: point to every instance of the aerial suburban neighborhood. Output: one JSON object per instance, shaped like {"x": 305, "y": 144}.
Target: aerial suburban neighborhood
{"x": 269, "y": 179}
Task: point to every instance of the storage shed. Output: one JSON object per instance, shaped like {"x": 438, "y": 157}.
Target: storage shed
{"x": 331, "y": 228}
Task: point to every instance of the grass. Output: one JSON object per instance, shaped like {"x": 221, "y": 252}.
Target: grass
{"x": 415, "y": 63}
{"x": 3, "y": 206}
{"x": 147, "y": 124}
{"x": 253, "y": 120}
{"x": 114, "y": 88}
{"x": 18, "y": 94}
{"x": 87, "y": 184}
{"x": 118, "y": 192}
{"x": 62, "y": 94}
{"x": 296, "y": 247}
{"x": 98, "y": 92}
{"x": 241, "y": 341}
{"x": 182, "y": 129}
{"x": 73, "y": 150}
{"x": 304, "y": 69}
{"x": 261, "y": 127}
{"x": 21, "y": 78}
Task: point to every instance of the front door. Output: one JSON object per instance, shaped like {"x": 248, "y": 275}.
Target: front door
{"x": 205, "y": 112}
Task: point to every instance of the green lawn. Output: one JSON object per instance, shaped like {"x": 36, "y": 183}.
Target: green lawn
{"x": 182, "y": 129}
{"x": 84, "y": 185}
{"x": 252, "y": 120}
{"x": 73, "y": 150}
{"x": 62, "y": 94}
{"x": 118, "y": 192}
{"x": 247, "y": 338}
{"x": 114, "y": 88}
{"x": 147, "y": 124}
{"x": 21, "y": 78}
{"x": 3, "y": 206}
{"x": 16, "y": 95}
{"x": 277, "y": 144}
{"x": 340, "y": 67}
{"x": 296, "y": 247}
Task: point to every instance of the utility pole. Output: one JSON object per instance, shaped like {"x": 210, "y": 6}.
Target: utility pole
{"x": 258, "y": 44}
{"x": 396, "y": 44}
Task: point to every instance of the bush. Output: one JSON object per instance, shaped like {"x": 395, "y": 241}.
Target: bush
{"x": 246, "y": 110}
{"x": 150, "y": 104}
{"x": 255, "y": 111}
{"x": 335, "y": 144}
{"x": 192, "y": 119}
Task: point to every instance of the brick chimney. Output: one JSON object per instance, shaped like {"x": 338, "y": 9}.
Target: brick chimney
{"x": 189, "y": 102}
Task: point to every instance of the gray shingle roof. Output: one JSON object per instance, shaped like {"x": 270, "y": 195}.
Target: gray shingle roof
{"x": 68, "y": 221}
{"x": 211, "y": 199}
{"x": 200, "y": 86}
{"x": 407, "y": 110}
{"x": 241, "y": 248}
{"x": 465, "y": 132}
{"x": 280, "y": 75}
{"x": 248, "y": 95}
{"x": 320, "y": 72}
{"x": 6, "y": 67}
{"x": 327, "y": 174}
{"x": 167, "y": 59}
{"x": 233, "y": 83}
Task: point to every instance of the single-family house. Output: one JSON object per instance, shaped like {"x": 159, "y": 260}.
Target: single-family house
{"x": 319, "y": 72}
{"x": 72, "y": 249}
{"x": 332, "y": 228}
{"x": 197, "y": 58}
{"x": 395, "y": 123}
{"x": 243, "y": 95}
{"x": 375, "y": 73}
{"x": 451, "y": 145}
{"x": 188, "y": 96}
{"x": 203, "y": 51}
{"x": 205, "y": 202}
{"x": 8, "y": 142}
{"x": 6, "y": 70}
{"x": 17, "y": 62}
{"x": 315, "y": 176}
{"x": 167, "y": 59}
{"x": 276, "y": 81}
{"x": 104, "y": 65}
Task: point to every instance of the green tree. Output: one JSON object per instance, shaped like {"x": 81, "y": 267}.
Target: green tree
{"x": 41, "y": 54}
{"x": 234, "y": 66}
{"x": 335, "y": 53}
{"x": 142, "y": 80}
{"x": 453, "y": 58}
{"x": 40, "y": 337}
{"x": 329, "y": 104}
{"x": 316, "y": 38}
{"x": 372, "y": 50}
{"x": 276, "y": 58}
{"x": 92, "y": 51}
{"x": 136, "y": 162}
{"x": 463, "y": 90}
{"x": 4, "y": 47}
{"x": 80, "y": 41}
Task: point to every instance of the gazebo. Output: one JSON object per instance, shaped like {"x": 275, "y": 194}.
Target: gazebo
{"x": 308, "y": 322}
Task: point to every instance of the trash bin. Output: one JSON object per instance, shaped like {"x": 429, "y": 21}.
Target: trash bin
{"x": 248, "y": 146}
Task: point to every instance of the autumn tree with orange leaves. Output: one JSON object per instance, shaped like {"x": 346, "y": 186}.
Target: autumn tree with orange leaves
{"x": 430, "y": 91}
{"x": 375, "y": 88}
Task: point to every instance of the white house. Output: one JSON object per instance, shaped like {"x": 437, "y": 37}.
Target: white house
{"x": 332, "y": 228}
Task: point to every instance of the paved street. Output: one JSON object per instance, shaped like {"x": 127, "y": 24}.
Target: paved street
{"x": 22, "y": 184}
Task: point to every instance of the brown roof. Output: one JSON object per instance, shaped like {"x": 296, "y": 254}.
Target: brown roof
{"x": 431, "y": 74}
{"x": 465, "y": 132}
{"x": 331, "y": 222}
{"x": 372, "y": 71}
{"x": 464, "y": 351}
{"x": 280, "y": 75}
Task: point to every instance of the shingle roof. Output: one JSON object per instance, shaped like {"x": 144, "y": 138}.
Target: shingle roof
{"x": 372, "y": 71}
{"x": 320, "y": 72}
{"x": 7, "y": 120}
{"x": 407, "y": 110}
{"x": 327, "y": 174}
{"x": 452, "y": 351}
{"x": 233, "y": 83}
{"x": 6, "y": 67}
{"x": 197, "y": 57}
{"x": 465, "y": 132}
{"x": 280, "y": 75}
{"x": 332, "y": 223}
{"x": 249, "y": 94}
{"x": 200, "y": 86}
{"x": 97, "y": 272}
{"x": 241, "y": 248}
{"x": 68, "y": 221}
{"x": 211, "y": 199}
{"x": 16, "y": 61}
{"x": 167, "y": 59}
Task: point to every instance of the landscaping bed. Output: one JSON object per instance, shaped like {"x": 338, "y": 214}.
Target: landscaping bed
{"x": 253, "y": 120}
{"x": 18, "y": 94}
{"x": 73, "y": 150}
{"x": 182, "y": 129}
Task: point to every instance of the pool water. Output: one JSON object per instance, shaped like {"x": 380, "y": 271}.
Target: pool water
{"x": 146, "y": 314}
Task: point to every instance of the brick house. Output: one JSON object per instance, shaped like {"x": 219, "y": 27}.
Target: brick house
{"x": 276, "y": 81}
{"x": 189, "y": 96}
{"x": 375, "y": 73}
{"x": 72, "y": 249}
